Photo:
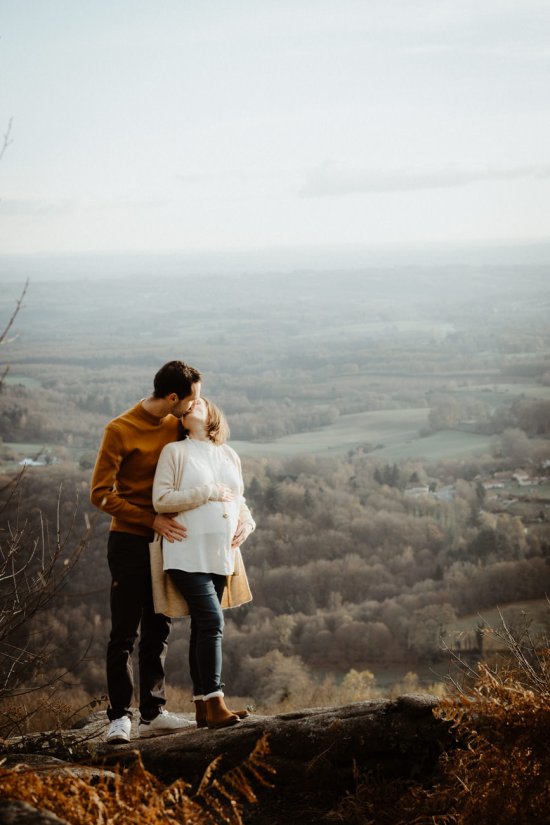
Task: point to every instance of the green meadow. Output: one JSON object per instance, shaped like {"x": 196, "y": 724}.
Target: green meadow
{"x": 18, "y": 379}
{"x": 390, "y": 434}
{"x": 532, "y": 615}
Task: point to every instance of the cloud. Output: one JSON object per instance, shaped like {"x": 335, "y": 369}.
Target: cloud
{"x": 53, "y": 207}
{"x": 243, "y": 175}
{"x": 36, "y": 206}
{"x": 328, "y": 180}
{"x": 526, "y": 52}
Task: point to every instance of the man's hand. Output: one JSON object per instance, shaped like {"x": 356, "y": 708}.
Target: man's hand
{"x": 241, "y": 533}
{"x": 169, "y": 528}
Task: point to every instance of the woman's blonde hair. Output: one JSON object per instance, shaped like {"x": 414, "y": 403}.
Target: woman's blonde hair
{"x": 217, "y": 427}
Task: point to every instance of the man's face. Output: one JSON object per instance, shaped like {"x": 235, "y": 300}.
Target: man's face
{"x": 198, "y": 412}
{"x": 181, "y": 405}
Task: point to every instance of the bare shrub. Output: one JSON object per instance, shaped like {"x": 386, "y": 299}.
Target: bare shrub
{"x": 33, "y": 572}
{"x": 34, "y": 567}
{"x": 498, "y": 773}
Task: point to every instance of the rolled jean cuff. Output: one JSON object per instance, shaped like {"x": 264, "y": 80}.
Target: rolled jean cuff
{"x": 213, "y": 695}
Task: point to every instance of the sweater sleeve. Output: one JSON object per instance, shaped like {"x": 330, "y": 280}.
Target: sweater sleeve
{"x": 245, "y": 515}
{"x": 103, "y": 492}
{"x": 166, "y": 496}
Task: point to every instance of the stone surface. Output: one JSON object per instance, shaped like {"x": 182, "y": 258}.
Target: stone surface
{"x": 314, "y": 752}
{"x": 13, "y": 812}
{"x": 49, "y": 764}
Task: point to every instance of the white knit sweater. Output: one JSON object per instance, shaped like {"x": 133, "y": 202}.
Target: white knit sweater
{"x": 186, "y": 480}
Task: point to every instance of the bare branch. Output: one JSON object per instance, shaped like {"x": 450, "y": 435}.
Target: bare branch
{"x": 15, "y": 313}
{"x": 32, "y": 573}
{"x": 7, "y": 139}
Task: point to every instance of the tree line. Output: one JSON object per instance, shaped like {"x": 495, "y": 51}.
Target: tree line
{"x": 346, "y": 569}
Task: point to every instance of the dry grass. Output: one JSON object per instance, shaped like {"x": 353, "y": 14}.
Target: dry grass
{"x": 356, "y": 686}
{"x": 52, "y": 708}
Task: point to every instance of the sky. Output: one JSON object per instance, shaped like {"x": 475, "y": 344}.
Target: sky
{"x": 168, "y": 126}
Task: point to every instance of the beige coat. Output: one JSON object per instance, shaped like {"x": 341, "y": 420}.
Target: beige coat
{"x": 168, "y": 599}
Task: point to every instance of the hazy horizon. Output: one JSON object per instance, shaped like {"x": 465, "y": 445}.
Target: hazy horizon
{"x": 269, "y": 261}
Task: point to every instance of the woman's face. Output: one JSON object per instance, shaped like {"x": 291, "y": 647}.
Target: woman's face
{"x": 198, "y": 413}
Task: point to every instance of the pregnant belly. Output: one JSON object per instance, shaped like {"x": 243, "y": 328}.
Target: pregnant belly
{"x": 213, "y": 517}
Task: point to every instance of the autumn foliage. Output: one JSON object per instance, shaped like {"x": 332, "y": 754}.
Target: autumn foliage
{"x": 134, "y": 796}
{"x": 499, "y": 772}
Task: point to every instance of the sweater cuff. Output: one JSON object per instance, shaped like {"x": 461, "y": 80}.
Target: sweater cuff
{"x": 149, "y": 519}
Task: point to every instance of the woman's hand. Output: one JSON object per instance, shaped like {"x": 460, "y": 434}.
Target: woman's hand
{"x": 224, "y": 493}
{"x": 242, "y": 532}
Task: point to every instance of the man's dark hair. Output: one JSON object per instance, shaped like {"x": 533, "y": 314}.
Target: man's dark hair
{"x": 175, "y": 376}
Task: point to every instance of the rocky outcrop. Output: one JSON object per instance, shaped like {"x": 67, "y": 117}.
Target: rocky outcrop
{"x": 315, "y": 753}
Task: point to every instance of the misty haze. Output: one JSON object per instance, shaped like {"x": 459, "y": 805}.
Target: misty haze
{"x": 393, "y": 424}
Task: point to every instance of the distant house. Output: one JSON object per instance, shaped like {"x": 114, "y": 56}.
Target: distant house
{"x": 522, "y": 479}
{"x": 41, "y": 461}
{"x": 415, "y": 490}
{"x": 418, "y": 490}
{"x": 525, "y": 480}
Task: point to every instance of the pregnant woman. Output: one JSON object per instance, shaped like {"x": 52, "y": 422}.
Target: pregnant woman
{"x": 202, "y": 472}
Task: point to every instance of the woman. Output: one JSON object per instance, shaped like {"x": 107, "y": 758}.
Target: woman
{"x": 200, "y": 479}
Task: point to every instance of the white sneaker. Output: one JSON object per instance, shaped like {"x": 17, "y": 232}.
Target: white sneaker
{"x": 119, "y": 731}
{"x": 163, "y": 723}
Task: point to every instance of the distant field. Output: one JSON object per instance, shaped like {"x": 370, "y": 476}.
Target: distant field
{"x": 25, "y": 450}
{"x": 495, "y": 394}
{"x": 21, "y": 451}
{"x": 537, "y": 611}
{"x": 396, "y": 430}
{"x": 392, "y": 435}
{"x": 23, "y": 380}
{"x": 366, "y": 327}
{"x": 531, "y": 491}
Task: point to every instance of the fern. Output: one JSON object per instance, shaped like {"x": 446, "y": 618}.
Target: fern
{"x": 134, "y": 796}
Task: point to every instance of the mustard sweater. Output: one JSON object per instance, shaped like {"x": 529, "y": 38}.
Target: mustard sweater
{"x": 122, "y": 481}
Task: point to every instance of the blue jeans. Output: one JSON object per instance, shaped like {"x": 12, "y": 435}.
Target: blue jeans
{"x": 203, "y": 593}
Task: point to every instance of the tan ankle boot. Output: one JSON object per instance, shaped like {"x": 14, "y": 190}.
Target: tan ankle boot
{"x": 217, "y": 715}
{"x": 200, "y": 713}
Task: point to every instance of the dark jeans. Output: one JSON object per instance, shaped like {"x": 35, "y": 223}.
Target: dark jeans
{"x": 203, "y": 593}
{"x": 132, "y": 608}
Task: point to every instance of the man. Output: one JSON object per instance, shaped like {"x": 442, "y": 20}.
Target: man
{"x": 122, "y": 486}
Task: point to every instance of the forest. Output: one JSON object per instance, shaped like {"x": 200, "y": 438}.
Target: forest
{"x": 377, "y": 551}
